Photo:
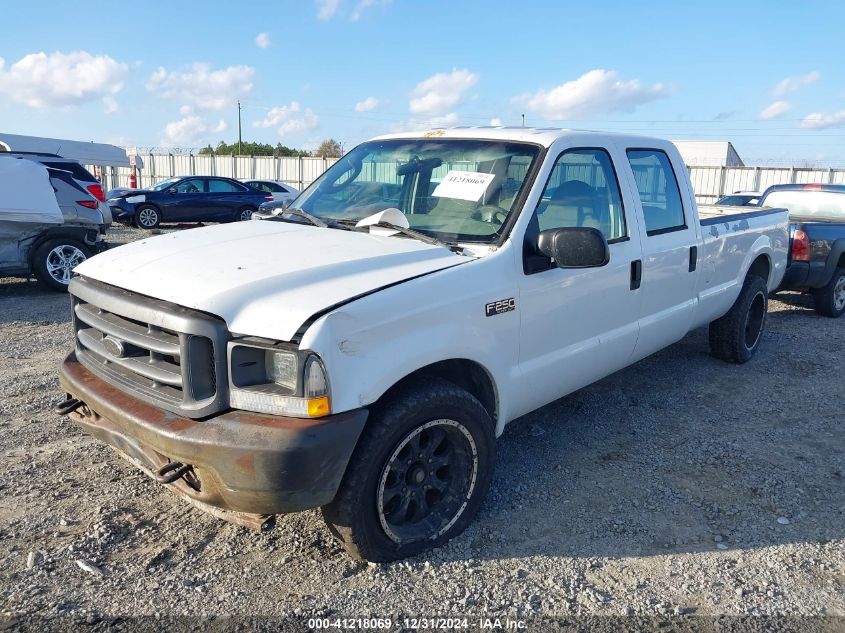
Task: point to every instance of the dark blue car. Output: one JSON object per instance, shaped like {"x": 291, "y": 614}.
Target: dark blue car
{"x": 188, "y": 199}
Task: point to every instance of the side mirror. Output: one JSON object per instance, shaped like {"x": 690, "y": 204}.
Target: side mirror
{"x": 575, "y": 247}
{"x": 171, "y": 191}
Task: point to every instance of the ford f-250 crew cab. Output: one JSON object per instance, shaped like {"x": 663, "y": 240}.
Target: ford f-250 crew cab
{"x": 362, "y": 350}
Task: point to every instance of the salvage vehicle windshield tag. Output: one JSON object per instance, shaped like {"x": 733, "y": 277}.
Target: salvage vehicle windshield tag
{"x": 463, "y": 185}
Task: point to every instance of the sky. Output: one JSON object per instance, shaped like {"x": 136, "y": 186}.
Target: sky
{"x": 767, "y": 76}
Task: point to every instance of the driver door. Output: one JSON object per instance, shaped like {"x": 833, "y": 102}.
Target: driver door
{"x": 578, "y": 325}
{"x": 188, "y": 201}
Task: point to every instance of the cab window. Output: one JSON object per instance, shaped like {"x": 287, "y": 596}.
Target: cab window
{"x": 583, "y": 191}
{"x": 192, "y": 185}
{"x": 660, "y": 195}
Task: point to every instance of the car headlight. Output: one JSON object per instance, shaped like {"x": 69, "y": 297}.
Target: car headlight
{"x": 270, "y": 379}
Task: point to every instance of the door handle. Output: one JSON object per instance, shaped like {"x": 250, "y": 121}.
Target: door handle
{"x": 636, "y": 273}
{"x": 693, "y": 258}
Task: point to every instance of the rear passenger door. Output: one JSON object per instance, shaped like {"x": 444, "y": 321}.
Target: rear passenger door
{"x": 225, "y": 198}
{"x": 578, "y": 325}
{"x": 669, "y": 247}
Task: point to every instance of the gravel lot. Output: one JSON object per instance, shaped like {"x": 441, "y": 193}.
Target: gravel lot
{"x": 678, "y": 485}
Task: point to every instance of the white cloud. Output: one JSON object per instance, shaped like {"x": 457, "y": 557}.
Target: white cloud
{"x": 221, "y": 126}
{"x": 442, "y": 91}
{"x": 370, "y": 103}
{"x": 189, "y": 131}
{"x": 426, "y": 123}
{"x": 262, "y": 40}
{"x": 110, "y": 105}
{"x": 203, "y": 87}
{"x": 326, "y": 9}
{"x": 496, "y": 122}
{"x": 288, "y": 119}
{"x": 774, "y": 110}
{"x": 42, "y": 80}
{"x": 820, "y": 120}
{"x": 594, "y": 92}
{"x": 791, "y": 84}
{"x": 363, "y": 5}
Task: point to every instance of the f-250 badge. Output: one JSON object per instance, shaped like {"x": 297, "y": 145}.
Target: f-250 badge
{"x": 500, "y": 307}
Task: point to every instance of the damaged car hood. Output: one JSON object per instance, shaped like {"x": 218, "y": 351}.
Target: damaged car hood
{"x": 265, "y": 278}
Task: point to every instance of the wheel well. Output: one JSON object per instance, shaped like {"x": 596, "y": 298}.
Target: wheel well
{"x": 761, "y": 268}
{"x": 465, "y": 373}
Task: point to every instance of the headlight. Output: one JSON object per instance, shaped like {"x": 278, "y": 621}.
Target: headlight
{"x": 267, "y": 379}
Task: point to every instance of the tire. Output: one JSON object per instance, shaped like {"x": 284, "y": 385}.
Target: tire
{"x": 147, "y": 217}
{"x": 736, "y": 336}
{"x": 830, "y": 300}
{"x": 244, "y": 214}
{"x": 54, "y": 260}
{"x": 394, "y": 501}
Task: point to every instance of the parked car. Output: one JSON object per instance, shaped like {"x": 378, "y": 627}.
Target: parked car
{"x": 279, "y": 190}
{"x": 361, "y": 352}
{"x": 817, "y": 236}
{"x": 48, "y": 222}
{"x": 188, "y": 199}
{"x": 740, "y": 199}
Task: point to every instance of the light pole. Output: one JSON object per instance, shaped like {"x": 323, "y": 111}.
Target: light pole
{"x": 239, "y": 127}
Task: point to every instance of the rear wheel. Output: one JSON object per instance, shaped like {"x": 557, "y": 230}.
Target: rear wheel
{"x": 418, "y": 475}
{"x": 244, "y": 214}
{"x": 830, "y": 300}
{"x": 54, "y": 260}
{"x": 736, "y": 336}
{"x": 147, "y": 217}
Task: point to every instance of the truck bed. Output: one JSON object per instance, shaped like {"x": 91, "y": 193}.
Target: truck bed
{"x": 713, "y": 214}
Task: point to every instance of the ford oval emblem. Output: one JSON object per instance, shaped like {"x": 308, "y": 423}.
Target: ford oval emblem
{"x": 114, "y": 347}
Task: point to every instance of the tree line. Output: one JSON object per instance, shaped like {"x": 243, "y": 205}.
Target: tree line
{"x": 329, "y": 148}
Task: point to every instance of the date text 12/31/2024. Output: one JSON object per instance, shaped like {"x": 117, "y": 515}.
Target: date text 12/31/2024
{"x": 418, "y": 624}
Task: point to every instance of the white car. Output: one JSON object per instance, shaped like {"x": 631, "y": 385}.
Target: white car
{"x": 280, "y": 191}
{"x": 362, "y": 351}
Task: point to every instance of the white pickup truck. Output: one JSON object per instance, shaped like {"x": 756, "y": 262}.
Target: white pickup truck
{"x": 362, "y": 350}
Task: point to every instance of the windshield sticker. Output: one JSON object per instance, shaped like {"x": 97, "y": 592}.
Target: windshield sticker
{"x": 463, "y": 185}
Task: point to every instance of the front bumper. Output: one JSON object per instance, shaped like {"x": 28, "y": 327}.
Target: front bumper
{"x": 121, "y": 211}
{"x": 242, "y": 462}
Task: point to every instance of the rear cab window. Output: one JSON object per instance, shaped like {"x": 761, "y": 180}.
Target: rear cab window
{"x": 660, "y": 195}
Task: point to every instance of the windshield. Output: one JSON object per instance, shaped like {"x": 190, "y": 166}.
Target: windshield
{"x": 454, "y": 190}
{"x": 807, "y": 203}
{"x": 164, "y": 184}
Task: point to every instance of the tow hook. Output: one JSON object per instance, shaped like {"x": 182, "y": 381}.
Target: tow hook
{"x": 172, "y": 471}
{"x": 68, "y": 406}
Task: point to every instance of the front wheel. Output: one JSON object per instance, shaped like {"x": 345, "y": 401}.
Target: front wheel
{"x": 54, "y": 260}
{"x": 829, "y": 301}
{"x": 418, "y": 475}
{"x": 147, "y": 217}
{"x": 736, "y": 336}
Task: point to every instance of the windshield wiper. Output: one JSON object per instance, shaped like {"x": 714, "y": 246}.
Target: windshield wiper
{"x": 422, "y": 237}
{"x": 313, "y": 219}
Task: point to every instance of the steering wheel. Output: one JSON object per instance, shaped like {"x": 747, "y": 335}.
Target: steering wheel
{"x": 490, "y": 213}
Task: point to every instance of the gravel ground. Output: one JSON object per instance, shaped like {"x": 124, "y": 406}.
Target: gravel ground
{"x": 681, "y": 485}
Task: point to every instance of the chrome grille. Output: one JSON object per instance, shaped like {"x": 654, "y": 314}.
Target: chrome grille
{"x": 160, "y": 352}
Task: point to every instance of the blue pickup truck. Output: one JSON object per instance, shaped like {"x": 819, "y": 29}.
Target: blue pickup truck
{"x": 188, "y": 199}
{"x": 817, "y": 242}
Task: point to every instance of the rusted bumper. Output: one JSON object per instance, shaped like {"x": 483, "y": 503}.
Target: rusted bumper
{"x": 242, "y": 462}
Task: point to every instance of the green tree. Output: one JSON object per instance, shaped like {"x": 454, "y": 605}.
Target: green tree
{"x": 329, "y": 148}
{"x": 251, "y": 148}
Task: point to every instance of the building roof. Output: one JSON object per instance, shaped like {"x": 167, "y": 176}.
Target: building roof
{"x": 709, "y": 153}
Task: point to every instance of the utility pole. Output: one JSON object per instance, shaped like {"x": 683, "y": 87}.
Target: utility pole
{"x": 239, "y": 127}
{"x": 523, "y": 120}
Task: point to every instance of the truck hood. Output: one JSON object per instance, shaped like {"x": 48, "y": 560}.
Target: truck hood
{"x": 265, "y": 278}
